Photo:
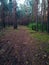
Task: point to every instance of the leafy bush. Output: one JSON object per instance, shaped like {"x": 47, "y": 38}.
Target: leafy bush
{"x": 33, "y": 26}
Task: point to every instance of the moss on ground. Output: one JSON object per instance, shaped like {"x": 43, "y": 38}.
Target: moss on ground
{"x": 44, "y": 37}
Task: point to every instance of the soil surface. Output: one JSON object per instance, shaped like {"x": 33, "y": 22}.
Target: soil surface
{"x": 18, "y": 47}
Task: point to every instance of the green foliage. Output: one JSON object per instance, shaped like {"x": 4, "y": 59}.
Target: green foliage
{"x": 30, "y": 25}
{"x": 39, "y": 35}
{"x": 42, "y": 37}
{"x": 33, "y": 26}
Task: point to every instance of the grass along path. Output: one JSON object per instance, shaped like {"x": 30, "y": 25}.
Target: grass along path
{"x": 44, "y": 37}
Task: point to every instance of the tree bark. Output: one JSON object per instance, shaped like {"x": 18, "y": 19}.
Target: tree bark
{"x": 48, "y": 18}
{"x": 3, "y": 15}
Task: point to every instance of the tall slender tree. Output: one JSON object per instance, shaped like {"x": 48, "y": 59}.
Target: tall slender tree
{"x": 10, "y": 6}
{"x": 42, "y": 15}
{"x": 48, "y": 18}
{"x": 14, "y": 13}
{"x": 35, "y": 9}
{"x": 3, "y": 13}
{"x": 4, "y": 10}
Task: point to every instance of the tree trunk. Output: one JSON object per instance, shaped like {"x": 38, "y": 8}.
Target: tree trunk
{"x": 14, "y": 14}
{"x": 3, "y": 15}
{"x": 48, "y": 18}
{"x": 37, "y": 15}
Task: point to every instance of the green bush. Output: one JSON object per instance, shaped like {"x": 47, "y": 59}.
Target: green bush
{"x": 33, "y": 26}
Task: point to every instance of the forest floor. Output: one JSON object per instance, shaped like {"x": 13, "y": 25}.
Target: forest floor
{"x": 18, "y": 47}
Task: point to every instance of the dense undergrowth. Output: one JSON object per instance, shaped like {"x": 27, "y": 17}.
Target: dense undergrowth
{"x": 33, "y": 26}
{"x": 42, "y": 36}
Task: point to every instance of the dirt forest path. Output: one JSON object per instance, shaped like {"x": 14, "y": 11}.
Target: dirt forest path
{"x": 18, "y": 48}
